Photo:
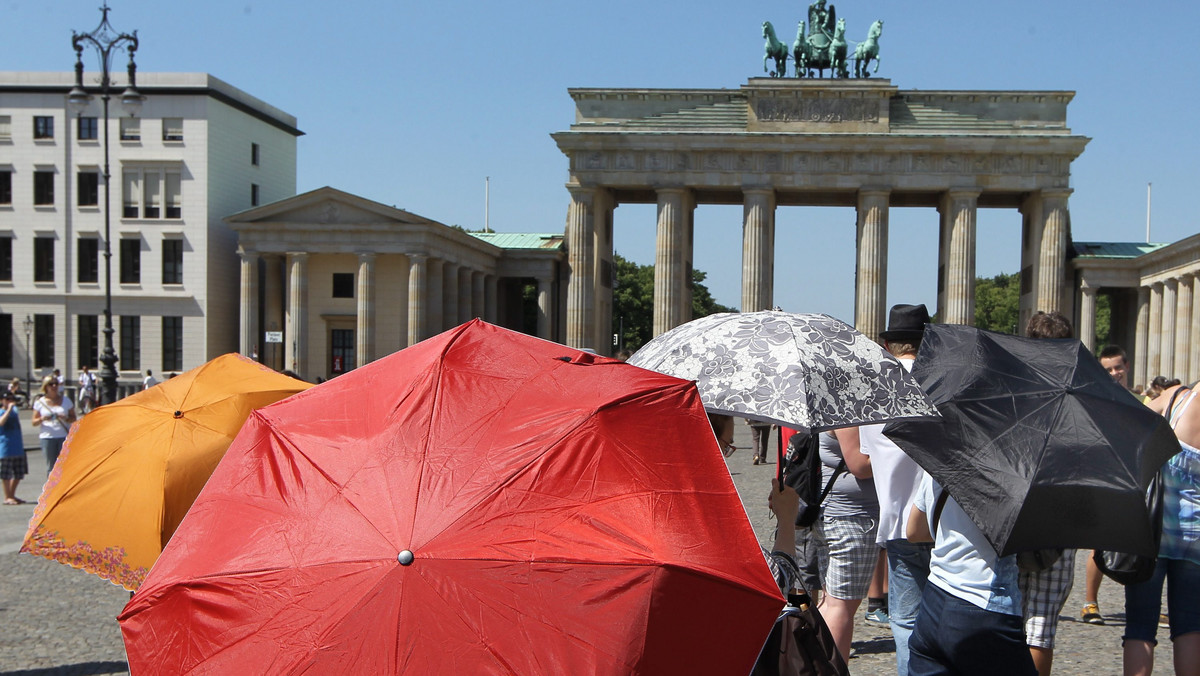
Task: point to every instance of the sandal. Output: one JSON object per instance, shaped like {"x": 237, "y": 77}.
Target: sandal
{"x": 14, "y": 501}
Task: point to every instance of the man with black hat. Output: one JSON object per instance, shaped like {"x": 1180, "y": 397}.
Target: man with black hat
{"x": 897, "y": 478}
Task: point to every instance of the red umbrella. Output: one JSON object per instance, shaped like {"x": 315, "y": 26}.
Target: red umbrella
{"x": 482, "y": 502}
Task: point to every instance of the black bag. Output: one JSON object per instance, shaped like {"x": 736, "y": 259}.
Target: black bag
{"x": 1131, "y": 568}
{"x": 800, "y": 643}
{"x": 803, "y": 473}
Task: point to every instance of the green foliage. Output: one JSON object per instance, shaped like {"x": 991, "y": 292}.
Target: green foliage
{"x": 633, "y": 302}
{"x": 1103, "y": 318}
{"x": 998, "y": 303}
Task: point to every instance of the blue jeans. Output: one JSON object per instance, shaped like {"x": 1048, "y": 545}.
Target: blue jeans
{"x": 954, "y": 636}
{"x": 50, "y": 449}
{"x": 908, "y": 568}
{"x": 1143, "y": 601}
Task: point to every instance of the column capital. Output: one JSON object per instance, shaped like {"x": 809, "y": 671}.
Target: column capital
{"x": 247, "y": 253}
{"x": 672, "y": 190}
{"x": 366, "y": 256}
{"x": 416, "y": 256}
{"x": 297, "y": 255}
{"x": 758, "y": 191}
{"x": 964, "y": 193}
{"x": 874, "y": 191}
{"x": 1171, "y": 282}
{"x": 1055, "y": 193}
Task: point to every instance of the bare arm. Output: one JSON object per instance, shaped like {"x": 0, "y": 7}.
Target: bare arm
{"x": 8, "y": 409}
{"x": 37, "y": 415}
{"x": 858, "y": 464}
{"x": 917, "y": 529}
{"x": 786, "y": 505}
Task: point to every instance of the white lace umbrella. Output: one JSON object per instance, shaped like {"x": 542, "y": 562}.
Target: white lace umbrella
{"x": 807, "y": 371}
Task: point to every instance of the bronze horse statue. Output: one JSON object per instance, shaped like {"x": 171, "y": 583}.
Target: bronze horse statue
{"x": 867, "y": 51}
{"x": 774, "y": 49}
{"x": 818, "y": 52}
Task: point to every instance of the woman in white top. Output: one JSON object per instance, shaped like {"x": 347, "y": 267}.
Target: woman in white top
{"x": 53, "y": 414}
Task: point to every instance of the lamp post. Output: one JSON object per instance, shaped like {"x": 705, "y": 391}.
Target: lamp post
{"x": 104, "y": 39}
{"x": 28, "y": 359}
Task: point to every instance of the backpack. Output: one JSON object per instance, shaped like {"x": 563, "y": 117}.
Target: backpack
{"x": 802, "y": 471}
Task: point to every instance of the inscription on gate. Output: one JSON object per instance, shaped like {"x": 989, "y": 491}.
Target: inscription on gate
{"x": 816, "y": 110}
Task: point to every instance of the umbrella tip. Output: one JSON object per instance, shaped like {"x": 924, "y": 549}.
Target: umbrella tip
{"x": 405, "y": 558}
{"x": 178, "y": 414}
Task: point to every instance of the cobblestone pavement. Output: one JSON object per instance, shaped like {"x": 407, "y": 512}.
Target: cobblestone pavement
{"x": 57, "y": 620}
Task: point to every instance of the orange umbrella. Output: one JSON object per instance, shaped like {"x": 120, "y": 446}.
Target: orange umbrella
{"x": 129, "y": 471}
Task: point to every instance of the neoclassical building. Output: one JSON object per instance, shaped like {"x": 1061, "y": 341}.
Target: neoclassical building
{"x": 331, "y": 281}
{"x": 1154, "y": 299}
{"x": 863, "y": 144}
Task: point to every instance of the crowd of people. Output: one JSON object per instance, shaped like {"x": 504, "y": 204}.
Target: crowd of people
{"x": 954, "y": 605}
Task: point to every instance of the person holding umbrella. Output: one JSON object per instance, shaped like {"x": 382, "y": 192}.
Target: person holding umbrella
{"x": 1179, "y": 552}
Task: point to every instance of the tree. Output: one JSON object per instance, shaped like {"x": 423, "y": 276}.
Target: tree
{"x": 998, "y": 303}
{"x": 633, "y": 302}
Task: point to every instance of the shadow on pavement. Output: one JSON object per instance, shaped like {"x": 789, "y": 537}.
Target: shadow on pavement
{"x": 83, "y": 669}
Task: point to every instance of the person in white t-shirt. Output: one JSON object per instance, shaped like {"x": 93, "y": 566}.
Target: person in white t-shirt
{"x": 897, "y": 477}
{"x": 149, "y": 381}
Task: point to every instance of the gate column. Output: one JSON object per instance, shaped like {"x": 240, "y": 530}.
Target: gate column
{"x": 672, "y": 260}
{"x": 758, "y": 249}
{"x": 870, "y": 277}
{"x": 956, "y": 278}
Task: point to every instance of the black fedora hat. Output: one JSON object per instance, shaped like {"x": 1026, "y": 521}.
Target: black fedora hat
{"x": 906, "y": 322}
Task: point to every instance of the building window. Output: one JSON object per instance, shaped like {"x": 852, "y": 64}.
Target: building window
{"x": 5, "y": 127}
{"x": 146, "y": 189}
{"x": 172, "y": 261}
{"x": 131, "y": 260}
{"x": 89, "y": 340}
{"x": 43, "y": 127}
{"x": 172, "y": 128}
{"x": 43, "y": 341}
{"x": 6, "y": 341}
{"x": 43, "y": 188}
{"x": 87, "y": 253}
{"x": 89, "y": 189}
{"x": 43, "y": 259}
{"x": 131, "y": 129}
{"x": 5, "y": 186}
{"x": 131, "y": 343}
{"x": 341, "y": 349}
{"x": 254, "y": 154}
{"x": 5, "y": 259}
{"x": 172, "y": 347}
{"x": 89, "y": 130}
{"x": 253, "y": 194}
{"x": 343, "y": 285}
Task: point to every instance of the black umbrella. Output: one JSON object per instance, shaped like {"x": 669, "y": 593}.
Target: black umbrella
{"x": 1036, "y": 442}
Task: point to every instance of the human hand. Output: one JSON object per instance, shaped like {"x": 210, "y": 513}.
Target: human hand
{"x": 784, "y": 503}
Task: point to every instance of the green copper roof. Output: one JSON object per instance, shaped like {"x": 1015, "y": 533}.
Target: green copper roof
{"x": 520, "y": 240}
{"x": 1114, "y": 249}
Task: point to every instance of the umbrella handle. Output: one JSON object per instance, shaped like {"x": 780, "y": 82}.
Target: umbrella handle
{"x": 779, "y": 458}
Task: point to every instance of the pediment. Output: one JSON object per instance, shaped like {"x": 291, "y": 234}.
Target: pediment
{"x": 328, "y": 207}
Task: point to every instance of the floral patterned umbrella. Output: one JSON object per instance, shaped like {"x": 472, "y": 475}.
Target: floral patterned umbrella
{"x": 808, "y": 371}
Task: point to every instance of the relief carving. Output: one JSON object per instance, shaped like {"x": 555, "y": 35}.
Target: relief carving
{"x": 831, "y": 111}
{"x": 594, "y": 161}
{"x": 774, "y": 163}
{"x": 625, "y": 162}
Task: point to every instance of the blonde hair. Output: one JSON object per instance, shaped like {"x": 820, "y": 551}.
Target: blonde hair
{"x": 47, "y": 381}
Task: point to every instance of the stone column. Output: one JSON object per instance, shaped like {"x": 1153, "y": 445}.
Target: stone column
{"x": 417, "y": 315}
{"x": 477, "y": 305}
{"x": 1087, "y": 316}
{"x": 297, "y": 319}
{"x": 1153, "y": 351}
{"x": 1052, "y": 251}
{"x": 544, "y": 286}
{"x": 672, "y": 261}
{"x": 490, "y": 292}
{"x": 465, "y": 311}
{"x": 450, "y": 295}
{"x": 249, "y": 336}
{"x": 1167, "y": 341}
{"x": 958, "y": 209}
{"x": 758, "y": 249}
{"x": 1141, "y": 338}
{"x": 870, "y": 275}
{"x": 1183, "y": 328}
{"x": 364, "y": 333}
{"x": 273, "y": 310}
{"x": 581, "y": 290}
{"x": 434, "y": 298}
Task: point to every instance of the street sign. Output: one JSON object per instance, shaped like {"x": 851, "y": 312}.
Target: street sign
{"x": 274, "y": 336}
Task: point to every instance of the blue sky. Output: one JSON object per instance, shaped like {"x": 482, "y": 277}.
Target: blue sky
{"x": 414, "y": 104}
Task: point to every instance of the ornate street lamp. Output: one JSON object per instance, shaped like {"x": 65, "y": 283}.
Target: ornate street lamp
{"x": 28, "y": 360}
{"x": 105, "y": 39}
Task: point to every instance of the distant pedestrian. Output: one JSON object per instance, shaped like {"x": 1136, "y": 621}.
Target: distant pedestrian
{"x": 53, "y": 412}
{"x": 13, "y": 463}
{"x": 149, "y": 381}
{"x": 760, "y": 432}
{"x": 62, "y": 382}
{"x": 87, "y": 390}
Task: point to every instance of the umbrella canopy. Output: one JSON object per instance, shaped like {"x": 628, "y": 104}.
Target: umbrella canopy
{"x": 1036, "y": 442}
{"x": 130, "y": 470}
{"x": 807, "y": 371}
{"x": 481, "y": 502}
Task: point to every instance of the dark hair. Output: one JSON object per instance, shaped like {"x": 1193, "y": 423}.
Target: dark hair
{"x": 1048, "y": 325}
{"x": 1163, "y": 382}
{"x": 1113, "y": 351}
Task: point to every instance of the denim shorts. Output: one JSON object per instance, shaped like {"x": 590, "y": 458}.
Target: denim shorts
{"x": 1143, "y": 601}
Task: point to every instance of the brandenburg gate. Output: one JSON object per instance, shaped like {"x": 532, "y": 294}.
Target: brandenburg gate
{"x": 859, "y": 143}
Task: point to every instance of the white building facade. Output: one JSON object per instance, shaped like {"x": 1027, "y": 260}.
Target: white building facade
{"x": 199, "y": 150}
